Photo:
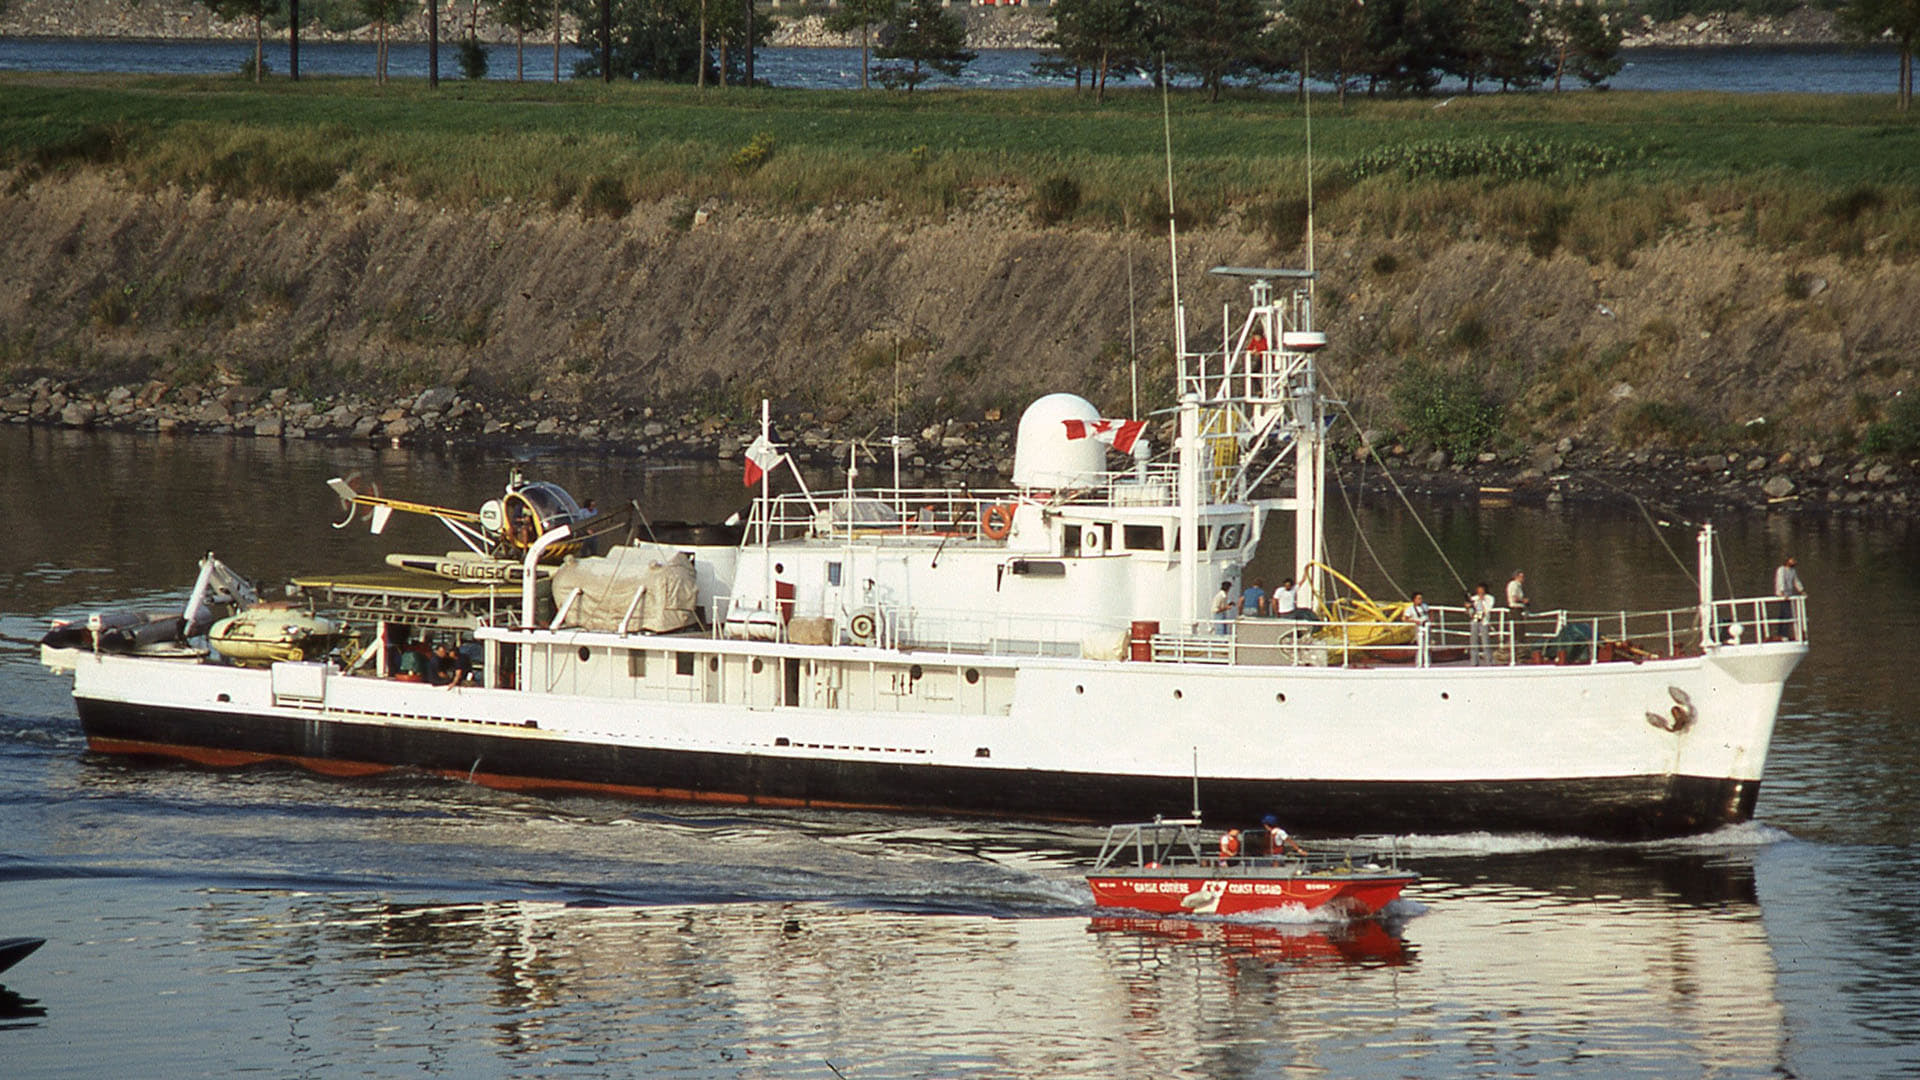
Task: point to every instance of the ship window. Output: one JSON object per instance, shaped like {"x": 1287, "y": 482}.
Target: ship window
{"x": 713, "y": 663}
{"x": 1070, "y": 540}
{"x": 916, "y": 671}
{"x": 973, "y": 676}
{"x": 586, "y": 654}
{"x": 636, "y": 664}
{"x": 1144, "y": 537}
{"x": 1177, "y": 695}
{"x": 757, "y": 665}
{"x": 833, "y": 573}
{"x": 1281, "y": 698}
{"x": 982, "y": 752}
{"x": 1206, "y": 538}
{"x": 683, "y": 663}
{"x": 1230, "y": 537}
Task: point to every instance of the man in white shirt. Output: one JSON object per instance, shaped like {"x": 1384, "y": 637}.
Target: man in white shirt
{"x": 1419, "y": 615}
{"x": 1479, "y": 620}
{"x": 1786, "y": 586}
{"x": 1517, "y": 593}
{"x": 1223, "y": 608}
{"x": 1303, "y": 597}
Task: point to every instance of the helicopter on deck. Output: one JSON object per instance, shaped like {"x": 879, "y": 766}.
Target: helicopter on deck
{"x": 498, "y": 535}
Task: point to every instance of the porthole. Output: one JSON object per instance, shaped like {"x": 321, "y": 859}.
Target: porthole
{"x": 1177, "y": 695}
{"x": 1079, "y": 689}
{"x": 1444, "y": 696}
{"x": 982, "y": 752}
{"x": 1280, "y": 698}
{"x": 757, "y": 665}
{"x": 223, "y": 697}
{"x": 713, "y": 663}
{"x": 915, "y": 672}
{"x": 973, "y": 676}
{"x": 585, "y": 654}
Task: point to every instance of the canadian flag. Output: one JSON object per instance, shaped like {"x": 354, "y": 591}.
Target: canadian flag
{"x": 762, "y": 456}
{"x": 1120, "y": 434}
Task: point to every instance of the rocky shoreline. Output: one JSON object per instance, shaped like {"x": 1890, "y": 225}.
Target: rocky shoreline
{"x": 799, "y": 27}
{"x": 447, "y": 415}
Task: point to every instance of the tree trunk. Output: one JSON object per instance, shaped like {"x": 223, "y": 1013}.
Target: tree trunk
{"x": 1100, "y": 80}
{"x": 293, "y": 40}
{"x": 556, "y": 41}
{"x": 863, "y": 56}
{"x": 519, "y": 54}
{"x": 1559, "y": 65}
{"x": 433, "y": 44}
{"x": 259, "y": 45}
{"x": 700, "y": 70}
{"x": 723, "y": 60}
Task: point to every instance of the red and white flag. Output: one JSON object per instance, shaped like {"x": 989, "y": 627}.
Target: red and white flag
{"x": 762, "y": 456}
{"x": 1120, "y": 434}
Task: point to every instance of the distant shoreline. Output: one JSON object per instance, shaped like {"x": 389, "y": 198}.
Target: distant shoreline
{"x": 987, "y": 27}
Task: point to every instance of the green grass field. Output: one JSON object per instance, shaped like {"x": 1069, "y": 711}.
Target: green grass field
{"x": 1602, "y": 172}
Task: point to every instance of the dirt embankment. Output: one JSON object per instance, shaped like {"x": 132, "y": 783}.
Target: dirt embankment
{"x": 1750, "y": 372}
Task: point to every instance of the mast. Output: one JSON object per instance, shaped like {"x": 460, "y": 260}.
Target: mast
{"x": 1189, "y": 454}
{"x": 1707, "y": 635}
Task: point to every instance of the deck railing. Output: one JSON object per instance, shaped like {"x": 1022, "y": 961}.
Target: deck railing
{"x": 1553, "y": 637}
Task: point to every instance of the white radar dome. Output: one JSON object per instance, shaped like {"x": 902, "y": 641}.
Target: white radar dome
{"x": 1044, "y": 457}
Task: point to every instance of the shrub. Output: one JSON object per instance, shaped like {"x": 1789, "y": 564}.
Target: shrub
{"x": 1452, "y": 411}
{"x": 1849, "y": 206}
{"x": 1470, "y": 332}
{"x": 1284, "y": 221}
{"x": 606, "y": 195}
{"x": 473, "y": 58}
{"x": 1661, "y": 421}
{"x": 757, "y": 152}
{"x": 1056, "y": 199}
{"x": 1506, "y": 158}
{"x": 1899, "y": 433}
{"x": 1385, "y": 263}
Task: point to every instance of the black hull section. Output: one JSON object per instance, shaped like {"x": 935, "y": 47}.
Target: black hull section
{"x": 1628, "y": 807}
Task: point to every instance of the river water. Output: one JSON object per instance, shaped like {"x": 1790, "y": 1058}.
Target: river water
{"x": 1820, "y": 69}
{"x": 283, "y": 924}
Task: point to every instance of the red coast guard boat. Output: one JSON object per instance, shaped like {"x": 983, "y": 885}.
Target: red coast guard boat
{"x": 1159, "y": 866}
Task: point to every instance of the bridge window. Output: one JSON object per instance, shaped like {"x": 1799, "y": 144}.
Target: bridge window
{"x": 1144, "y": 537}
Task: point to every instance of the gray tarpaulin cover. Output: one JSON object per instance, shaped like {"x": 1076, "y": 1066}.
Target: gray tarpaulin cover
{"x": 607, "y": 585}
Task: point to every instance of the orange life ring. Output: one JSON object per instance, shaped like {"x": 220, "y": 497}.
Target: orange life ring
{"x": 998, "y": 521}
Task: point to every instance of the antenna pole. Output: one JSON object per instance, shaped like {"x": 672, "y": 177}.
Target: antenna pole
{"x": 1133, "y": 348}
{"x": 1173, "y": 231}
{"x": 1306, "y": 58}
{"x": 1196, "y": 783}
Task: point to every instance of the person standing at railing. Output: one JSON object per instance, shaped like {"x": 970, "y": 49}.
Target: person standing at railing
{"x": 1223, "y": 609}
{"x": 1420, "y": 616}
{"x": 1229, "y": 846}
{"x": 1786, "y": 586}
{"x": 1254, "y": 600}
{"x": 1480, "y": 628}
{"x": 1517, "y": 593}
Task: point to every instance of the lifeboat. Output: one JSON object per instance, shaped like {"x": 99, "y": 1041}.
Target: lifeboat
{"x": 269, "y": 633}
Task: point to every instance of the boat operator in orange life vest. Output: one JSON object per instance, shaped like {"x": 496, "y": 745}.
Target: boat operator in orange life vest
{"x": 1229, "y": 845}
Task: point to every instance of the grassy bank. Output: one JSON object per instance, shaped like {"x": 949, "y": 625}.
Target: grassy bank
{"x": 1602, "y": 173}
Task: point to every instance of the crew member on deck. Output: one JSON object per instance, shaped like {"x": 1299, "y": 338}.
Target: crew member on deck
{"x": 1229, "y": 846}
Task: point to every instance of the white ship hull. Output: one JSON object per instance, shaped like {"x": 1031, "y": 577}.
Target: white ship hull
{"x": 1547, "y": 748}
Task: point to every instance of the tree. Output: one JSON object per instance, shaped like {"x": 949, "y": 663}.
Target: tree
{"x": 257, "y": 10}
{"x": 923, "y": 32}
{"x": 1415, "y": 43}
{"x": 1896, "y": 19}
{"x": 383, "y": 14}
{"x": 864, "y": 16}
{"x": 1217, "y": 40}
{"x": 1096, "y": 34}
{"x": 660, "y": 39}
{"x": 1331, "y": 37}
{"x": 1497, "y": 44}
{"x": 1578, "y": 34}
{"x": 523, "y": 17}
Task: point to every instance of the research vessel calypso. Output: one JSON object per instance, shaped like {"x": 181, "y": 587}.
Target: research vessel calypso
{"x": 1047, "y": 651}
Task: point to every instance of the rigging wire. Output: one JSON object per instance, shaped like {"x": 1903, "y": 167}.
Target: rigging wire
{"x": 1347, "y": 411}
